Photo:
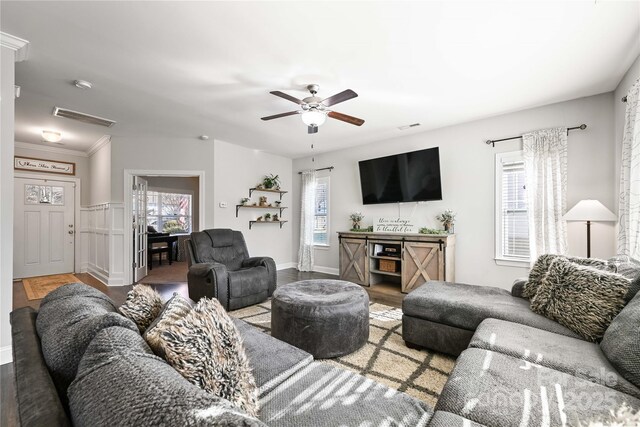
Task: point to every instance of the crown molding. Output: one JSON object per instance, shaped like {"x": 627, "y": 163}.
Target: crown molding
{"x": 50, "y": 149}
{"x": 20, "y": 46}
{"x": 104, "y": 140}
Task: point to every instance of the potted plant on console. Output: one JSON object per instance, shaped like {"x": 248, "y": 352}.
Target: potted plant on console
{"x": 447, "y": 218}
{"x": 356, "y": 219}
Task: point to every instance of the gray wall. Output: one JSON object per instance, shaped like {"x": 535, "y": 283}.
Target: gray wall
{"x": 468, "y": 169}
{"x": 7, "y": 106}
{"x": 187, "y": 154}
{"x": 100, "y": 175}
{"x": 238, "y": 169}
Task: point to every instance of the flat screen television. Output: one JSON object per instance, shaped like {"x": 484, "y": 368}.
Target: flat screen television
{"x": 406, "y": 177}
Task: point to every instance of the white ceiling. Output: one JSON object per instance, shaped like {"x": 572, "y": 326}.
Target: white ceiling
{"x": 181, "y": 69}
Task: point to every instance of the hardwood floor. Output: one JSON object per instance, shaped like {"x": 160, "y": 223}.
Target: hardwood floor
{"x": 166, "y": 281}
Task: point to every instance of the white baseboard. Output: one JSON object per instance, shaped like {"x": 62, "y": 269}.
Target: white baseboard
{"x": 326, "y": 270}
{"x": 115, "y": 280}
{"x": 286, "y": 265}
{"x": 6, "y": 356}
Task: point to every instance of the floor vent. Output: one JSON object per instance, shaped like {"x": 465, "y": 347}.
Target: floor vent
{"x": 82, "y": 117}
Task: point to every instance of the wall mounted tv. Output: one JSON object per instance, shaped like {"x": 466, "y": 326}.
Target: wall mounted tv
{"x": 406, "y": 177}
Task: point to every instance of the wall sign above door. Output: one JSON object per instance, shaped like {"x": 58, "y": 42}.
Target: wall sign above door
{"x": 43, "y": 165}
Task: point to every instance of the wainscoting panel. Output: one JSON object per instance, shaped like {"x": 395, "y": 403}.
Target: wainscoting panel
{"x": 102, "y": 240}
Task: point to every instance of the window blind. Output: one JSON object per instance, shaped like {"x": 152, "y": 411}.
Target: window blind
{"x": 515, "y": 224}
{"x": 321, "y": 223}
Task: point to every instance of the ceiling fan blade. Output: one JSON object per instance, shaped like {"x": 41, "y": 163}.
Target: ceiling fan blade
{"x": 287, "y": 97}
{"x": 339, "y": 97}
{"x": 277, "y": 116}
{"x": 345, "y": 118}
{"x": 312, "y": 129}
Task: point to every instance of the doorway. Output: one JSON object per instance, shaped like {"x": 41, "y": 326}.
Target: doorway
{"x": 44, "y": 227}
{"x": 164, "y": 207}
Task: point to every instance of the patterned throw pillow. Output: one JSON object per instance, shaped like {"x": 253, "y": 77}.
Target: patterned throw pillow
{"x": 206, "y": 348}
{"x": 175, "y": 309}
{"x": 143, "y": 305}
{"x": 583, "y": 299}
{"x": 541, "y": 267}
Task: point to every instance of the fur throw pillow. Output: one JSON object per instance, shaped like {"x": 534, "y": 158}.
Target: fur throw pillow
{"x": 541, "y": 266}
{"x": 583, "y": 299}
{"x": 175, "y": 309}
{"x": 206, "y": 348}
{"x": 143, "y": 305}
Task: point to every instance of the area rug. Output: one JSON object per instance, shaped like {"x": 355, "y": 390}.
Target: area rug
{"x": 384, "y": 358}
{"x": 39, "y": 287}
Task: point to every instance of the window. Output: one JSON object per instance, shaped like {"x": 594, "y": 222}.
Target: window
{"x": 321, "y": 221}
{"x": 169, "y": 212}
{"x": 512, "y": 225}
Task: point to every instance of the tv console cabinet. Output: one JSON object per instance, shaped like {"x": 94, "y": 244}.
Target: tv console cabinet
{"x": 396, "y": 262}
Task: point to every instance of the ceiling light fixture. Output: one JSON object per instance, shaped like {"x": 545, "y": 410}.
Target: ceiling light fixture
{"x": 82, "y": 84}
{"x": 314, "y": 117}
{"x": 51, "y": 136}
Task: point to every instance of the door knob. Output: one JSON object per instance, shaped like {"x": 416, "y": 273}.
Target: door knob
{"x": 70, "y": 231}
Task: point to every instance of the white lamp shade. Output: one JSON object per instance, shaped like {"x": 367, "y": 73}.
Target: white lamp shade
{"x": 313, "y": 118}
{"x": 589, "y": 210}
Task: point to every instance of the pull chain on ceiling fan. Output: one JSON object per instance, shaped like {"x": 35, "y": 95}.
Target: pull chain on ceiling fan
{"x": 314, "y": 110}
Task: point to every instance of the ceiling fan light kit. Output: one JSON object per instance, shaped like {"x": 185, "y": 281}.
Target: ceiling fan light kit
{"x": 314, "y": 110}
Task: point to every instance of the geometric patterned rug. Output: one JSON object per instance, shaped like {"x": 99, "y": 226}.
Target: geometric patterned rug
{"x": 384, "y": 358}
{"x": 39, "y": 287}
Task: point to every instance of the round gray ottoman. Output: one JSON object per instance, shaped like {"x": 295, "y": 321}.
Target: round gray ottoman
{"x": 327, "y": 318}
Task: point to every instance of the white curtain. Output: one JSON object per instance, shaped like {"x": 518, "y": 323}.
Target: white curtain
{"x": 629, "y": 209}
{"x": 307, "y": 217}
{"x": 545, "y": 162}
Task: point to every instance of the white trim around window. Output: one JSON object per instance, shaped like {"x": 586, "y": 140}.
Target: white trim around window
{"x": 505, "y": 162}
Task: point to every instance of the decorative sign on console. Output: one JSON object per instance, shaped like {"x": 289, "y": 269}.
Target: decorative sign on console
{"x": 394, "y": 225}
{"x": 42, "y": 165}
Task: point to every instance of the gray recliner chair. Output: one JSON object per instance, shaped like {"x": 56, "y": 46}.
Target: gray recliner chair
{"x": 220, "y": 267}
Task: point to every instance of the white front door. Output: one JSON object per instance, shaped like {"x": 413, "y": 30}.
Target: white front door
{"x": 44, "y": 227}
{"x": 139, "y": 228}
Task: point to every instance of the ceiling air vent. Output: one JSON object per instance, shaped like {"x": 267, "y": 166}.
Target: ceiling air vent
{"x": 82, "y": 117}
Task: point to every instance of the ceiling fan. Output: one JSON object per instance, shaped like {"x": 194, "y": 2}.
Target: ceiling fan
{"x": 315, "y": 110}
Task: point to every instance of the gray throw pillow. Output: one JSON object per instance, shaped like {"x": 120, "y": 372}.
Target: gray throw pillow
{"x": 621, "y": 342}
{"x": 176, "y": 308}
{"x": 142, "y": 306}
{"x": 541, "y": 267}
{"x": 629, "y": 268}
{"x": 121, "y": 383}
{"x": 68, "y": 319}
{"x": 205, "y": 347}
{"x": 583, "y": 299}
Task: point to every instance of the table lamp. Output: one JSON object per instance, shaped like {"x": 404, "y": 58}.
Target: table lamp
{"x": 589, "y": 210}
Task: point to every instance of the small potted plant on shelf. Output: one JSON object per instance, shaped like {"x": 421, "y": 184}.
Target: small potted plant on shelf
{"x": 356, "y": 219}
{"x": 447, "y": 218}
{"x": 278, "y": 203}
{"x": 267, "y": 217}
{"x": 244, "y": 201}
{"x": 271, "y": 182}
{"x": 276, "y": 217}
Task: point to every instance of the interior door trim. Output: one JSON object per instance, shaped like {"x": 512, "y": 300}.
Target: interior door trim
{"x": 76, "y": 208}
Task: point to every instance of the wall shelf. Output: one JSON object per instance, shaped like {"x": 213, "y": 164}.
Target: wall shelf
{"x": 280, "y": 208}
{"x": 266, "y": 222}
{"x": 264, "y": 190}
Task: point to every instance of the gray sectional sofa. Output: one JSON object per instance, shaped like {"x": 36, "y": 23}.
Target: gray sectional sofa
{"x": 77, "y": 361}
{"x": 516, "y": 367}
